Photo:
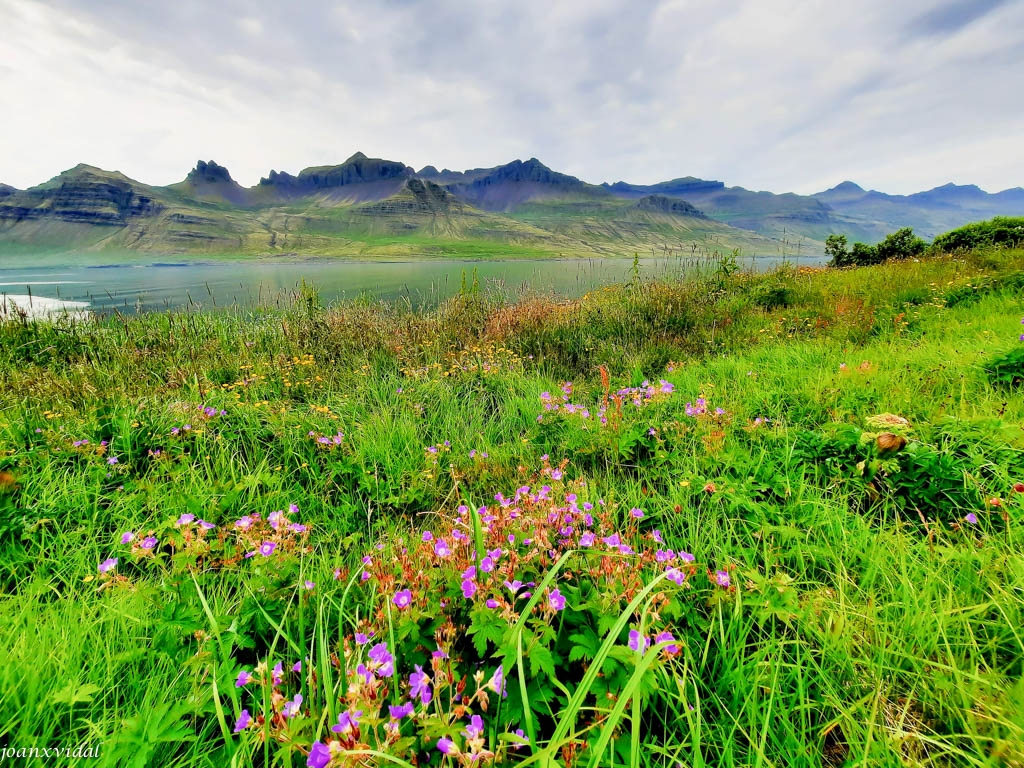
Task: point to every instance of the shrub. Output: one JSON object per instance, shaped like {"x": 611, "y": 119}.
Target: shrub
{"x": 1007, "y": 370}
{"x": 901, "y": 244}
{"x": 1003, "y": 231}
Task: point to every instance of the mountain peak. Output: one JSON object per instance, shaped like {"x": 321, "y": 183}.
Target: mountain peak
{"x": 355, "y": 158}
{"x": 847, "y": 186}
{"x": 209, "y": 172}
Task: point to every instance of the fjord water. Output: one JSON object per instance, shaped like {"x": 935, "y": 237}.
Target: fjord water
{"x": 130, "y": 288}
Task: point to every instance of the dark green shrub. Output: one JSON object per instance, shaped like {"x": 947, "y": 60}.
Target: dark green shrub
{"x": 1007, "y": 370}
{"x": 773, "y": 296}
{"x": 901, "y": 244}
{"x": 1003, "y": 231}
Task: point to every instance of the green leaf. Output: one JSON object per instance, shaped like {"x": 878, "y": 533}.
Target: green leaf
{"x": 75, "y": 694}
{"x": 541, "y": 660}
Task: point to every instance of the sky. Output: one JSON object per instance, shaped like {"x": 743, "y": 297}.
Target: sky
{"x": 781, "y": 95}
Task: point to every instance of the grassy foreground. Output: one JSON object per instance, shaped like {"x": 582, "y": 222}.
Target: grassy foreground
{"x": 730, "y": 520}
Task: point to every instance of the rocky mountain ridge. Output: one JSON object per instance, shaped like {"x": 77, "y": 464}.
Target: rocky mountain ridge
{"x": 523, "y": 199}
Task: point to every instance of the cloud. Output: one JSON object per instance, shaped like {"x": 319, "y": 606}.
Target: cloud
{"x": 781, "y": 95}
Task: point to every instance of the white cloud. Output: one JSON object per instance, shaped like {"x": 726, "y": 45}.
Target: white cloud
{"x": 780, "y": 95}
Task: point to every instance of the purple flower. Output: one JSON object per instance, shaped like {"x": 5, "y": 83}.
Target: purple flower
{"x": 468, "y": 588}
{"x": 206, "y": 526}
{"x": 319, "y": 755}
{"x": 148, "y": 543}
{"x": 108, "y": 565}
{"x": 403, "y": 710}
{"x": 309, "y": 584}
{"x": 112, "y": 460}
{"x": 612, "y": 541}
{"x": 497, "y": 682}
{"x": 243, "y": 721}
{"x": 447, "y": 746}
{"x": 244, "y": 522}
{"x": 127, "y": 537}
{"x": 428, "y": 536}
{"x": 722, "y": 578}
{"x": 492, "y": 603}
{"x": 383, "y": 661}
{"x": 556, "y": 600}
{"x": 637, "y": 513}
{"x": 362, "y": 639}
{"x": 276, "y": 519}
{"x": 347, "y": 721}
{"x": 514, "y": 586}
{"x": 297, "y": 528}
{"x": 402, "y": 598}
{"x": 441, "y": 548}
{"x": 636, "y": 640}
{"x": 419, "y": 684}
{"x": 970, "y": 517}
{"x": 291, "y": 708}
{"x": 587, "y": 539}
{"x": 656, "y": 535}
{"x": 675, "y": 575}
{"x": 267, "y": 548}
{"x": 243, "y": 679}
{"x": 185, "y": 519}
{"x": 277, "y": 673}
{"x": 666, "y": 637}
{"x": 297, "y": 666}
{"x": 475, "y": 728}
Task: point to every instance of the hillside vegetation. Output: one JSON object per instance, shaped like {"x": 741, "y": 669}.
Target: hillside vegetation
{"x": 724, "y": 520}
{"x": 371, "y": 207}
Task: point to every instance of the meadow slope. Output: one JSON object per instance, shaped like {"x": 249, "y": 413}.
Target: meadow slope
{"x": 725, "y": 520}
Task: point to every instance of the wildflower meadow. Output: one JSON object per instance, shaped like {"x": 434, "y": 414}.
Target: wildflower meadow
{"x": 725, "y": 519}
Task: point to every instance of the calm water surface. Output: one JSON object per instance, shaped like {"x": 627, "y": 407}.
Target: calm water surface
{"x": 148, "y": 287}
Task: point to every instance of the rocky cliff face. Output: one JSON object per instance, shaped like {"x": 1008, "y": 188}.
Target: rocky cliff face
{"x": 416, "y": 197}
{"x": 358, "y": 169}
{"x": 670, "y": 205}
{"x": 209, "y": 172}
{"x": 688, "y": 185}
{"x": 85, "y": 195}
{"x": 508, "y": 186}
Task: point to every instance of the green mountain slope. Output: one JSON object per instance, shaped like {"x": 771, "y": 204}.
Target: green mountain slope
{"x": 376, "y": 207}
{"x": 362, "y": 207}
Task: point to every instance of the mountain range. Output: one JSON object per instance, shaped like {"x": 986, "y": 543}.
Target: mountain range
{"x": 375, "y": 207}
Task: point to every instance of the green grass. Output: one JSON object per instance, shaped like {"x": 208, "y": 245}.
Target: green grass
{"x": 868, "y": 622}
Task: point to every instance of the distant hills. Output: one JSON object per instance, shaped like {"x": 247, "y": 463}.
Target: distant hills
{"x": 376, "y": 207}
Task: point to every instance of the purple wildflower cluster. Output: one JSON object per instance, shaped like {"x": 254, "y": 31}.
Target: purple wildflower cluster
{"x": 328, "y": 441}
{"x": 638, "y": 396}
{"x": 209, "y": 412}
{"x": 254, "y": 536}
{"x": 263, "y": 537}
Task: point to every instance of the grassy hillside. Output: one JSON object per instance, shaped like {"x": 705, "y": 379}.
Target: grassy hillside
{"x": 339, "y": 212}
{"x": 732, "y": 520}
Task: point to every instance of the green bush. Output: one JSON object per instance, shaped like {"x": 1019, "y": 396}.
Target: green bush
{"x": 1003, "y": 231}
{"x": 1007, "y": 370}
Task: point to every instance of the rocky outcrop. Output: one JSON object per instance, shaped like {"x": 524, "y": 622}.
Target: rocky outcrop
{"x": 85, "y": 195}
{"x": 358, "y": 169}
{"x": 508, "y": 186}
{"x": 209, "y": 172}
{"x": 670, "y": 205}
{"x": 416, "y": 197}
{"x": 688, "y": 185}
